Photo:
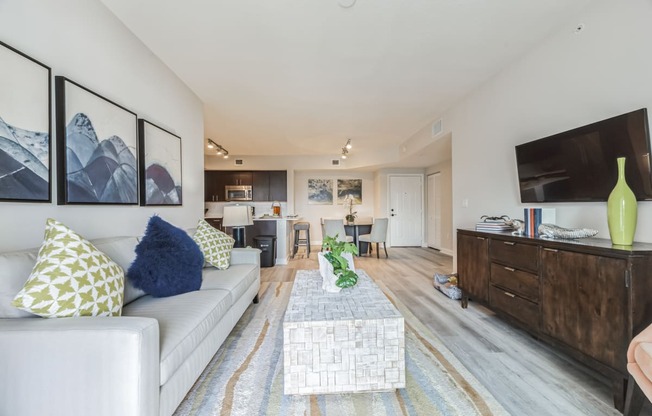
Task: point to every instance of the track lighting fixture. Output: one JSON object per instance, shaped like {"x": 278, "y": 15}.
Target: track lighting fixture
{"x": 346, "y": 148}
{"x": 218, "y": 149}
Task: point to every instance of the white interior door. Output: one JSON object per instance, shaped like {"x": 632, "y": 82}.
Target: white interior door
{"x": 433, "y": 209}
{"x": 406, "y": 210}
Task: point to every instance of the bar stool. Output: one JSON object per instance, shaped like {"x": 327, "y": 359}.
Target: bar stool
{"x": 298, "y": 241}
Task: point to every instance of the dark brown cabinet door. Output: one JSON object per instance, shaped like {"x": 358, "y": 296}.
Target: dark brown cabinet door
{"x": 585, "y": 304}
{"x": 241, "y": 178}
{"x": 472, "y": 262}
{"x": 260, "y": 186}
{"x": 214, "y": 182}
{"x": 278, "y": 188}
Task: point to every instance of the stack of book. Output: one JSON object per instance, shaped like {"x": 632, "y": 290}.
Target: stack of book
{"x": 535, "y": 217}
{"x": 492, "y": 225}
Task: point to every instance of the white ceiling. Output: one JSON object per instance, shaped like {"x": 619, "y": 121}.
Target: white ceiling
{"x": 298, "y": 77}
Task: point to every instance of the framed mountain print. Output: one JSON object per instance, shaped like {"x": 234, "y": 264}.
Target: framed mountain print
{"x": 160, "y": 165}
{"x": 25, "y": 128}
{"x": 96, "y": 148}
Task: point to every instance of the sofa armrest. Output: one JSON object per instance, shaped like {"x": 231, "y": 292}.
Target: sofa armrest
{"x": 644, "y": 337}
{"x": 245, "y": 256}
{"x": 79, "y": 366}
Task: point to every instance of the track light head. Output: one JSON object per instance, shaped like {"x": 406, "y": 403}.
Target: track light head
{"x": 219, "y": 150}
{"x": 348, "y": 144}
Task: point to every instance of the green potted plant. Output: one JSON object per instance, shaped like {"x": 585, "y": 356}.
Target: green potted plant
{"x": 339, "y": 254}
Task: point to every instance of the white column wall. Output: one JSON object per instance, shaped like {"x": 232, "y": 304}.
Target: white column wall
{"x": 83, "y": 41}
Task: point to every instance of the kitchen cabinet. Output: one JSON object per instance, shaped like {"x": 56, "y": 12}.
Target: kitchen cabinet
{"x": 266, "y": 185}
{"x": 216, "y": 180}
{"x": 260, "y": 187}
{"x": 585, "y": 297}
{"x": 278, "y": 185}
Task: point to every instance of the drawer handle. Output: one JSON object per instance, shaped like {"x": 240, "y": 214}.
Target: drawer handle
{"x": 480, "y": 238}
{"x": 511, "y": 295}
{"x": 510, "y": 269}
{"x": 509, "y": 243}
{"x": 553, "y": 250}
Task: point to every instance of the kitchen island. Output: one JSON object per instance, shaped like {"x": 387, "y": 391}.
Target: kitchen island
{"x": 281, "y": 227}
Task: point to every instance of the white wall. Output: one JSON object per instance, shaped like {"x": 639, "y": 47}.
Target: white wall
{"x": 568, "y": 81}
{"x": 83, "y": 41}
{"x": 314, "y": 213}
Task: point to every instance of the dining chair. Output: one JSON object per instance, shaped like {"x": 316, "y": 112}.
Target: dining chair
{"x": 335, "y": 227}
{"x": 378, "y": 235}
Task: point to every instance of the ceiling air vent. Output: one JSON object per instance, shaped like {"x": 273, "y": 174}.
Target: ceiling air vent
{"x": 335, "y": 162}
{"x": 239, "y": 162}
{"x": 436, "y": 128}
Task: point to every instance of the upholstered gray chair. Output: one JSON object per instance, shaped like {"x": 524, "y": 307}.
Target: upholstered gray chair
{"x": 378, "y": 235}
{"x": 335, "y": 227}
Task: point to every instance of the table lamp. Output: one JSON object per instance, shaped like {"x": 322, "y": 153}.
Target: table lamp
{"x": 237, "y": 216}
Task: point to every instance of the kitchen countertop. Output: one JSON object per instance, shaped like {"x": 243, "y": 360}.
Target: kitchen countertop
{"x": 270, "y": 218}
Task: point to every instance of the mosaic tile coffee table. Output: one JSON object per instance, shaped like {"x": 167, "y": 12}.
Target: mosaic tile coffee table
{"x": 351, "y": 341}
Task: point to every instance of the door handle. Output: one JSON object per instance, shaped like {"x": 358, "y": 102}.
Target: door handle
{"x": 510, "y": 269}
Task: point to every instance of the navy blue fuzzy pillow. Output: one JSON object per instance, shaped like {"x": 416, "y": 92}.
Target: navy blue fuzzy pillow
{"x": 168, "y": 261}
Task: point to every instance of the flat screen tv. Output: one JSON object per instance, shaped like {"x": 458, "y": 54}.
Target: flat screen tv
{"x": 580, "y": 164}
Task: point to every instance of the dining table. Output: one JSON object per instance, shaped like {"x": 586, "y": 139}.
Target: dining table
{"x": 356, "y": 229}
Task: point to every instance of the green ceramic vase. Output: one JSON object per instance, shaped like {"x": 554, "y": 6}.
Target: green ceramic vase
{"x": 621, "y": 210}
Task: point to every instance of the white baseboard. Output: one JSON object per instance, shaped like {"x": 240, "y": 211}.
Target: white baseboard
{"x": 446, "y": 251}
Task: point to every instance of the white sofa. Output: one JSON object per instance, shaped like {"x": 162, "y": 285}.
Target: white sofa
{"x": 141, "y": 363}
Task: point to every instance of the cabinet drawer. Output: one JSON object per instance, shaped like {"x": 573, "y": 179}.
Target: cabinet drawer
{"x": 522, "y": 283}
{"x": 519, "y": 308}
{"x": 517, "y": 255}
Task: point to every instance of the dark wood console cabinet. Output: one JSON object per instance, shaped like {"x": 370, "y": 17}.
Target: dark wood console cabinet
{"x": 586, "y": 297}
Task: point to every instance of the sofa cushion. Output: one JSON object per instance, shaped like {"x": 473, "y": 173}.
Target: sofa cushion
{"x": 214, "y": 244}
{"x": 122, "y": 250}
{"x": 168, "y": 261}
{"x": 71, "y": 278}
{"x": 184, "y": 321}
{"x": 236, "y": 279}
{"x": 15, "y": 268}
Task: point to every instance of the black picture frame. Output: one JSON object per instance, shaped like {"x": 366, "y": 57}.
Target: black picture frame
{"x": 25, "y": 128}
{"x": 97, "y": 142}
{"x": 159, "y": 153}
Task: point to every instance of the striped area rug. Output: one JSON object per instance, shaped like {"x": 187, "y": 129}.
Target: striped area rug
{"x": 245, "y": 377}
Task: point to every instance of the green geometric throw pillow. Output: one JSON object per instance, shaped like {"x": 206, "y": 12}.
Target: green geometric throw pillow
{"x": 214, "y": 244}
{"x": 71, "y": 278}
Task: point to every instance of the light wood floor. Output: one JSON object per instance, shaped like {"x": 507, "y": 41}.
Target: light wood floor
{"x": 525, "y": 375}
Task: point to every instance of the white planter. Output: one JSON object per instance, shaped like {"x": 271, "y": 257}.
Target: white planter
{"x": 326, "y": 271}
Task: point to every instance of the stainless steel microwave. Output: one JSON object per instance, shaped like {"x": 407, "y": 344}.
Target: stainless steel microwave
{"x": 238, "y": 192}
